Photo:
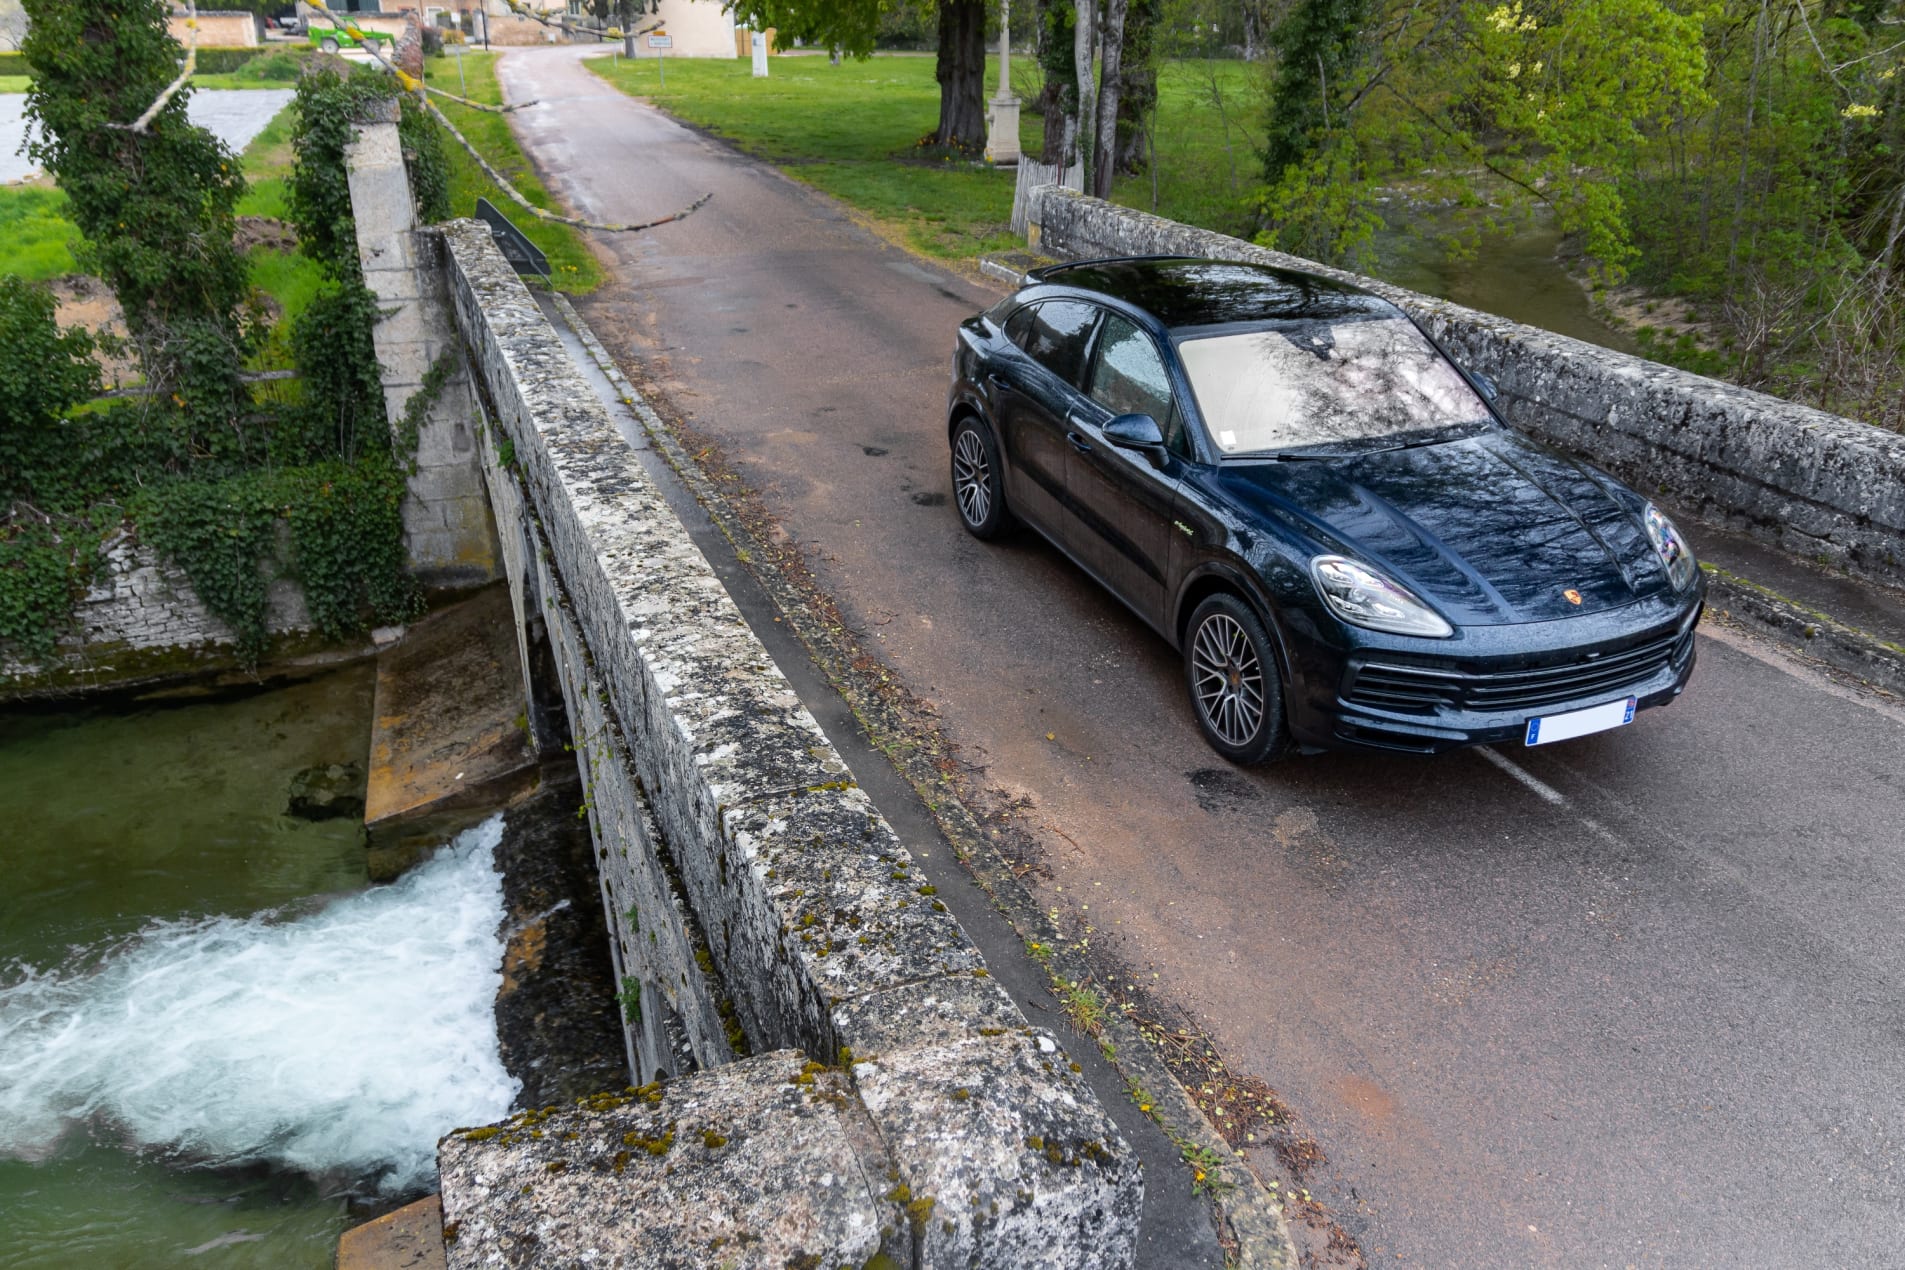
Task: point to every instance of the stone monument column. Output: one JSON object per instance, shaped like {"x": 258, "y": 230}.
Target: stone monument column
{"x": 1002, "y": 119}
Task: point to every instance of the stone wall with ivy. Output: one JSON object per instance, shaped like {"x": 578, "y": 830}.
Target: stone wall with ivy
{"x": 200, "y": 493}
{"x": 140, "y": 619}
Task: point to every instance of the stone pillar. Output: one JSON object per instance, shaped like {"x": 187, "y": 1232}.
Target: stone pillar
{"x": 447, "y": 527}
{"x": 1002, "y": 119}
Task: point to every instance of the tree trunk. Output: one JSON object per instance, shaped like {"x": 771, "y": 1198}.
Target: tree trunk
{"x": 1138, "y": 95}
{"x": 1058, "y": 94}
{"x": 1084, "y": 45}
{"x": 1104, "y": 154}
{"x": 961, "y": 73}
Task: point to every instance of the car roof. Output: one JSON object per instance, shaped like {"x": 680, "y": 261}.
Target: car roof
{"x": 1184, "y": 291}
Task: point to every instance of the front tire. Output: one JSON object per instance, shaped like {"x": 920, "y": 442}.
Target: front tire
{"x": 1230, "y": 670}
{"x": 977, "y": 488}
{"x": 329, "y": 46}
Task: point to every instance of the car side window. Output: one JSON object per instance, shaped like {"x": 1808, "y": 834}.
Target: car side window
{"x": 1128, "y": 377}
{"x": 1061, "y": 331}
{"x": 1018, "y": 327}
{"x": 1127, "y": 374}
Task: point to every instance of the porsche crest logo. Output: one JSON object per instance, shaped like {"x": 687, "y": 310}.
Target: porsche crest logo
{"x": 1574, "y": 596}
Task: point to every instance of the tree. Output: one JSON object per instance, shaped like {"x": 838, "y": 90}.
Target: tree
{"x": 961, "y": 71}
{"x": 1138, "y": 87}
{"x": 1493, "y": 108}
{"x": 47, "y": 372}
{"x": 155, "y": 206}
{"x": 1058, "y": 94}
{"x": 1105, "y": 136}
{"x": 852, "y": 26}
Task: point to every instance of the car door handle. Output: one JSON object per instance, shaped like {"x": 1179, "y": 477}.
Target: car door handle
{"x": 1080, "y": 442}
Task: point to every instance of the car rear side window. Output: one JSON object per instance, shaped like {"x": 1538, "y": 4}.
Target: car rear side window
{"x": 1018, "y": 327}
{"x": 1060, "y": 332}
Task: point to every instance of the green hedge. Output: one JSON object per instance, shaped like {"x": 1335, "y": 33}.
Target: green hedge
{"x": 225, "y": 61}
{"x": 210, "y": 61}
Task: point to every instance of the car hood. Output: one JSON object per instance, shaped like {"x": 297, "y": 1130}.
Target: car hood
{"x": 1490, "y": 529}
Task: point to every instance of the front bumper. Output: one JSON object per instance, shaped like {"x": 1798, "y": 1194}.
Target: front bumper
{"x": 1482, "y": 688}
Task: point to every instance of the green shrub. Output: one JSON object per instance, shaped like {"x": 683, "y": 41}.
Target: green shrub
{"x": 47, "y": 372}
{"x": 223, "y": 61}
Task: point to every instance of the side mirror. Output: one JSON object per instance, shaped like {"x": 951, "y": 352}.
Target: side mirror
{"x": 1135, "y": 432}
{"x": 1487, "y": 385}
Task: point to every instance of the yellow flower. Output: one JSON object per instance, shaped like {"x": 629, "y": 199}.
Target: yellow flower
{"x": 1858, "y": 110}
{"x": 1514, "y": 70}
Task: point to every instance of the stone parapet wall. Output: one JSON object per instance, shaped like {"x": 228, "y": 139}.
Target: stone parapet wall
{"x": 448, "y": 538}
{"x": 821, "y": 935}
{"x": 1815, "y": 484}
{"x": 142, "y": 620}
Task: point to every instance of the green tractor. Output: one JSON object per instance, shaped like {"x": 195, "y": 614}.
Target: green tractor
{"x": 333, "y": 38}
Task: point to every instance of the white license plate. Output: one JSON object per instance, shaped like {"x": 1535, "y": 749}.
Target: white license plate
{"x": 1564, "y": 727}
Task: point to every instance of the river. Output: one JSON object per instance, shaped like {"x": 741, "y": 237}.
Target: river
{"x": 1515, "y": 275}
{"x": 218, "y": 1046}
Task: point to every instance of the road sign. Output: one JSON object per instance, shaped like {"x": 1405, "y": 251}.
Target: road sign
{"x": 523, "y": 255}
{"x": 661, "y": 41}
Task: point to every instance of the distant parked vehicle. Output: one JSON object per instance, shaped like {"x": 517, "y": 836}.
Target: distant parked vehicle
{"x": 331, "y": 38}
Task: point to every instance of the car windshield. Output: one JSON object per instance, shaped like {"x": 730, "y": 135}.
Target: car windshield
{"x": 1310, "y": 382}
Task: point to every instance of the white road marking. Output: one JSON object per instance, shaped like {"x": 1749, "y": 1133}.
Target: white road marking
{"x": 1547, "y": 793}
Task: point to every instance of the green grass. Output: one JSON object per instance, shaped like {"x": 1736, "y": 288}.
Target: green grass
{"x": 267, "y": 163}
{"x": 849, "y": 130}
{"x": 572, "y": 264}
{"x": 852, "y": 131}
{"x": 14, "y": 83}
{"x": 290, "y": 278}
{"x": 1205, "y": 135}
{"x": 36, "y": 239}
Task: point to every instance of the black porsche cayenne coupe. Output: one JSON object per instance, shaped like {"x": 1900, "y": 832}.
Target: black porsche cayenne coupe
{"x": 1295, "y": 485}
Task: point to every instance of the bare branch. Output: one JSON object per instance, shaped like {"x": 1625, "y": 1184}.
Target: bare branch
{"x": 143, "y": 122}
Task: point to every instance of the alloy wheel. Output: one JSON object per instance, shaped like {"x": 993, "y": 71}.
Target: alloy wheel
{"x": 1227, "y": 678}
{"x": 972, "y": 477}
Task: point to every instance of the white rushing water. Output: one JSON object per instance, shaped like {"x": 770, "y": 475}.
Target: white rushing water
{"x": 340, "y": 1042}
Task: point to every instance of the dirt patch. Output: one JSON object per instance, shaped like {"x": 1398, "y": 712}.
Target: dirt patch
{"x": 264, "y": 231}
{"x": 85, "y": 301}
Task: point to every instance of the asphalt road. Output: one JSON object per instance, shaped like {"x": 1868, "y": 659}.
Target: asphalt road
{"x": 1633, "y": 1000}
{"x": 235, "y": 116}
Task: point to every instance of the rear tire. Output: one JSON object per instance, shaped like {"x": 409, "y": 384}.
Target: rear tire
{"x": 1230, "y": 671}
{"x": 329, "y": 46}
{"x": 978, "y": 491}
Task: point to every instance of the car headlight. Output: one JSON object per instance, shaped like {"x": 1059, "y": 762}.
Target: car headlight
{"x": 1672, "y": 548}
{"x": 1363, "y": 597}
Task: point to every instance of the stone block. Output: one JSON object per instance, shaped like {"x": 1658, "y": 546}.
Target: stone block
{"x": 403, "y": 325}
{"x": 818, "y": 903}
{"x": 991, "y": 1121}
{"x": 761, "y": 1163}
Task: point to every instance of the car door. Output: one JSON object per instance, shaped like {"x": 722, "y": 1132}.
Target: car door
{"x": 1125, "y": 499}
{"x": 1033, "y": 395}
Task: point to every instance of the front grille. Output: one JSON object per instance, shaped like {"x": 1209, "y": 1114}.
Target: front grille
{"x": 1384, "y": 686}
